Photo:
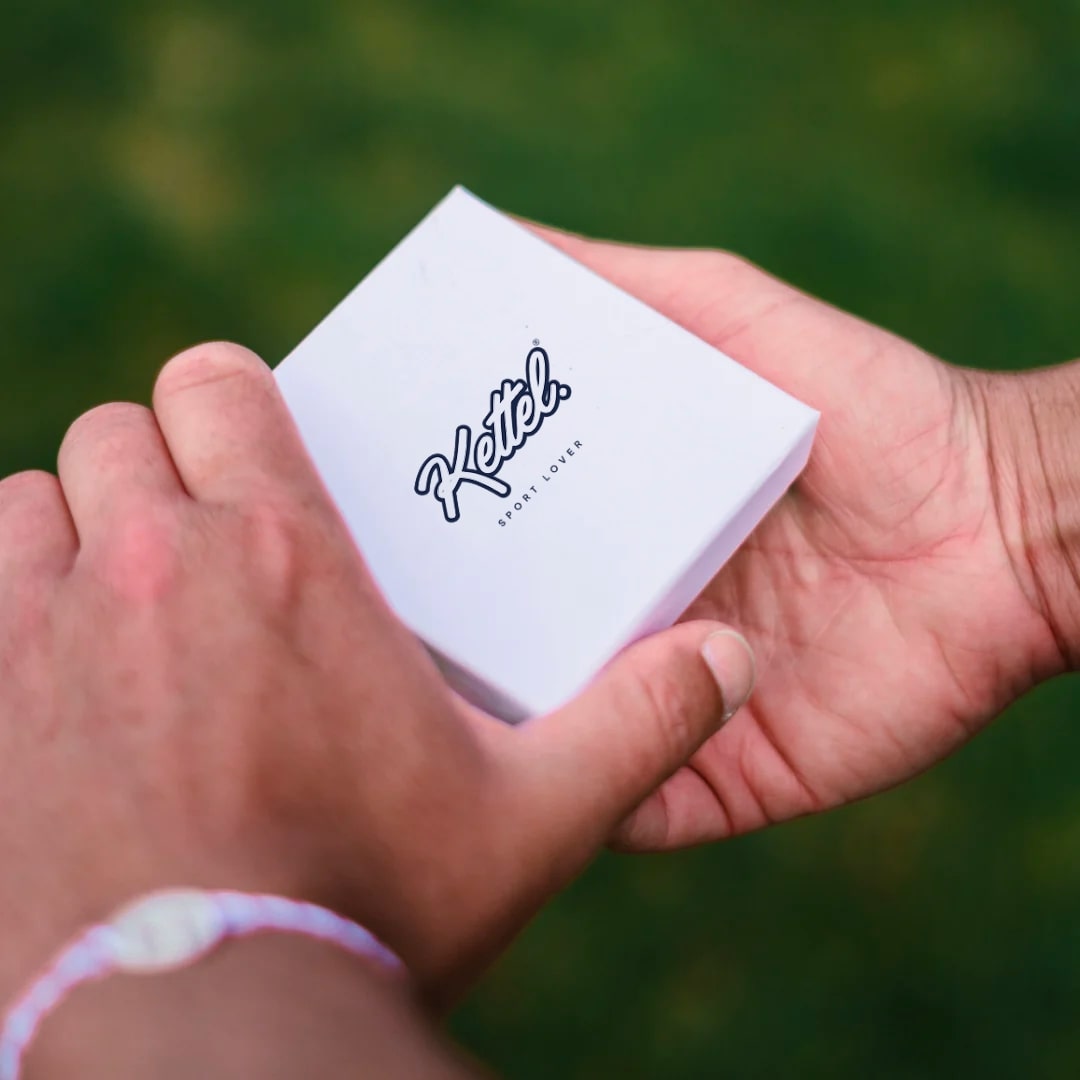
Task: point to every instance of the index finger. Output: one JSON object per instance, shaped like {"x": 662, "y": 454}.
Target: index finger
{"x": 716, "y": 295}
{"x": 228, "y": 429}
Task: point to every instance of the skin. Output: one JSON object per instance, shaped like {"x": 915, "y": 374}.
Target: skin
{"x": 267, "y": 1008}
{"x": 202, "y": 685}
{"x": 919, "y": 577}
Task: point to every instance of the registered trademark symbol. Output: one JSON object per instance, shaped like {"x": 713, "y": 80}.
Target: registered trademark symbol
{"x": 536, "y": 341}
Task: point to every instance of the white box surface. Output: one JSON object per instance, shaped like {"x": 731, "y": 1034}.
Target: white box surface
{"x": 537, "y": 467}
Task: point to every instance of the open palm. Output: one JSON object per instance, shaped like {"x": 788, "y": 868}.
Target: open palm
{"x": 886, "y": 611}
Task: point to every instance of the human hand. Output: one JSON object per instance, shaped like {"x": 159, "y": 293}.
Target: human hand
{"x": 920, "y": 576}
{"x": 202, "y": 686}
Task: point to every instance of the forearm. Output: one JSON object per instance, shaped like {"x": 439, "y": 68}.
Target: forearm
{"x": 1033, "y": 443}
{"x": 267, "y": 1007}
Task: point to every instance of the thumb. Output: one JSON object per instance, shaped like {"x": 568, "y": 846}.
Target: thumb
{"x": 598, "y": 757}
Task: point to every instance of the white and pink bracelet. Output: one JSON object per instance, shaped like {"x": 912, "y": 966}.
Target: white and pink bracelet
{"x": 166, "y": 930}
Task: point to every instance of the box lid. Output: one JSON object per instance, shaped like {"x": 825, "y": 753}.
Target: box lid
{"x": 537, "y": 467}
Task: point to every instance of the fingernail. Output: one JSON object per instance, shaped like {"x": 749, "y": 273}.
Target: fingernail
{"x": 731, "y": 661}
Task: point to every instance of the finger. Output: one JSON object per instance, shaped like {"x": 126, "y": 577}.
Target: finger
{"x": 113, "y": 456}
{"x": 683, "y": 812}
{"x": 736, "y": 783}
{"x": 37, "y": 534}
{"x": 805, "y": 346}
{"x": 227, "y": 427}
{"x": 644, "y": 271}
{"x": 600, "y": 756}
{"x": 713, "y": 294}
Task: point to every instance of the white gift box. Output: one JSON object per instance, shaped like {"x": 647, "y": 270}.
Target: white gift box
{"x": 538, "y": 468}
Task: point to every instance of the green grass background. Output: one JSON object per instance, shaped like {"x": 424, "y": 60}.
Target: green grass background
{"x": 174, "y": 172}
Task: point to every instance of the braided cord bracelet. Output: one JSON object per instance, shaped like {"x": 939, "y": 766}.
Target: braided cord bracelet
{"x": 166, "y": 930}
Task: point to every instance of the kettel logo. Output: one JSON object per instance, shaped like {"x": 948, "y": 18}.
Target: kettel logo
{"x": 518, "y": 409}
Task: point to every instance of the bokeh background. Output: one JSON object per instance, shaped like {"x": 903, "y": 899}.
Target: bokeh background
{"x": 174, "y": 172}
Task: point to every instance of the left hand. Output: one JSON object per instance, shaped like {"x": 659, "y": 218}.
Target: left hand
{"x": 918, "y": 577}
{"x": 202, "y": 686}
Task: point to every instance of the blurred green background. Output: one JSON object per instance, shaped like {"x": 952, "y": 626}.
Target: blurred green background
{"x": 170, "y": 173}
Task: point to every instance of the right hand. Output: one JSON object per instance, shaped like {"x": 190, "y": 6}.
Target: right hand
{"x": 202, "y": 686}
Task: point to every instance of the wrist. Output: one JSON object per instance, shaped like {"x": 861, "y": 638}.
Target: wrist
{"x": 86, "y": 880}
{"x": 1033, "y": 450}
{"x": 269, "y": 1005}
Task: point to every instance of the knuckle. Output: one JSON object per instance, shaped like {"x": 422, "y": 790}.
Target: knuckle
{"x": 210, "y": 364}
{"x": 30, "y": 485}
{"x": 26, "y": 617}
{"x": 727, "y": 265}
{"x": 138, "y": 558}
{"x": 662, "y": 695}
{"x": 276, "y": 543}
{"x": 33, "y": 512}
{"x": 675, "y": 711}
{"x": 97, "y": 422}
